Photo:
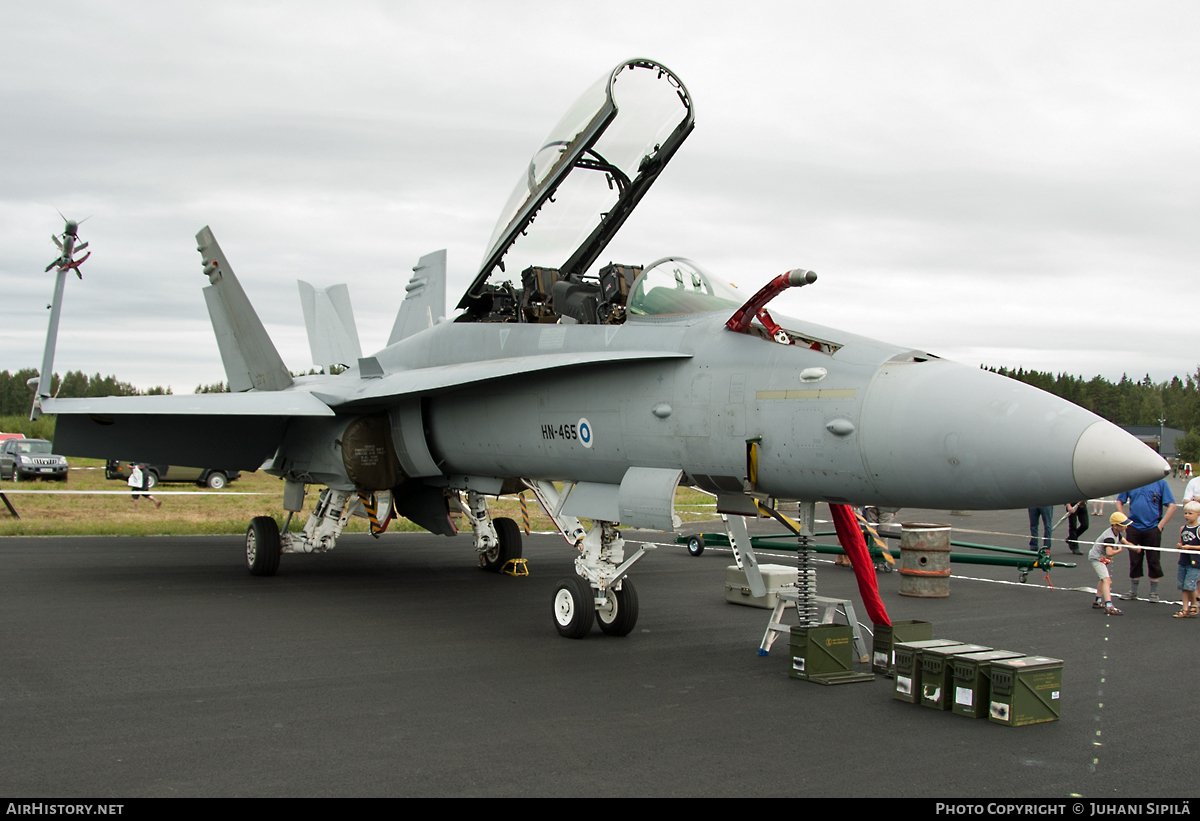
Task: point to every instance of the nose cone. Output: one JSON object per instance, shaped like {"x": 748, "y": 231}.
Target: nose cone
{"x": 1109, "y": 460}
{"x": 942, "y": 435}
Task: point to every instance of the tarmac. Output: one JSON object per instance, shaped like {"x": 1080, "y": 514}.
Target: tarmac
{"x": 157, "y": 666}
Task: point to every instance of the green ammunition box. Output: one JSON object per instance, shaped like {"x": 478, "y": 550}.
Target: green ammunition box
{"x": 937, "y": 673}
{"x": 883, "y": 659}
{"x": 908, "y": 667}
{"x": 1025, "y": 690}
{"x": 973, "y": 681}
{"x": 828, "y": 648}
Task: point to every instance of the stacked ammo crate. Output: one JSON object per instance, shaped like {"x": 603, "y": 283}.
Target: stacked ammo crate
{"x": 967, "y": 679}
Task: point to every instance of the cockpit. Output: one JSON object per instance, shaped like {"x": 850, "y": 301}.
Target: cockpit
{"x": 676, "y": 286}
{"x": 576, "y": 192}
{"x": 578, "y": 189}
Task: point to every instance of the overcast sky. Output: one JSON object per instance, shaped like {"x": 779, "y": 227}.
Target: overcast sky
{"x": 1005, "y": 183}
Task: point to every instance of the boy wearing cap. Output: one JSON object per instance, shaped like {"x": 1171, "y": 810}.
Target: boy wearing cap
{"x": 1101, "y": 555}
{"x": 1189, "y": 563}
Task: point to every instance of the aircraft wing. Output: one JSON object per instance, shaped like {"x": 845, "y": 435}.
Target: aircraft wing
{"x": 221, "y": 430}
{"x": 441, "y": 377}
{"x": 241, "y": 430}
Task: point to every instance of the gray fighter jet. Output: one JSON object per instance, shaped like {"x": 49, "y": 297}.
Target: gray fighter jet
{"x": 601, "y": 388}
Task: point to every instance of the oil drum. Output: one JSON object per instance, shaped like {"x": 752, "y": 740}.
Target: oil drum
{"x": 924, "y": 560}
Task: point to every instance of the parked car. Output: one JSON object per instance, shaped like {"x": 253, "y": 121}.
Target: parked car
{"x": 31, "y": 459}
{"x": 213, "y": 478}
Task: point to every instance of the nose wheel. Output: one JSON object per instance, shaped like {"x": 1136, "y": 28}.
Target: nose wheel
{"x": 619, "y": 613}
{"x": 574, "y": 608}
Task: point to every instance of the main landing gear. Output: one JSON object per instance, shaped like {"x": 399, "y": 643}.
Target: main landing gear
{"x": 498, "y": 541}
{"x": 602, "y": 591}
{"x": 264, "y": 542}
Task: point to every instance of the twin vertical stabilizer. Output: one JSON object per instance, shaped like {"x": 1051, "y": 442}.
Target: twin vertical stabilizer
{"x": 329, "y": 320}
{"x": 425, "y": 302}
{"x": 248, "y": 354}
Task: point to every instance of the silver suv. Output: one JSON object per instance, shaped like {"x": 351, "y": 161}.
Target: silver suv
{"x": 31, "y": 459}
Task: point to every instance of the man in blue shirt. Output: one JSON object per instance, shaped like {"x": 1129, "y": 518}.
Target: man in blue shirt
{"x": 1150, "y": 507}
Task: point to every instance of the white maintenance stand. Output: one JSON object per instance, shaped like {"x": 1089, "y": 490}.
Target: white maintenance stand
{"x": 829, "y": 608}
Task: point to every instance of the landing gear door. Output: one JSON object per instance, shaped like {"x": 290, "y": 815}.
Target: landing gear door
{"x": 647, "y": 498}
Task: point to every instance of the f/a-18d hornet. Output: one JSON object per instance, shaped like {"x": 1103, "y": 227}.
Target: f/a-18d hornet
{"x": 599, "y": 387}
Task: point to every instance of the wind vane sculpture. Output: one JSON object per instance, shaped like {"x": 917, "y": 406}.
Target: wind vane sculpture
{"x": 65, "y": 262}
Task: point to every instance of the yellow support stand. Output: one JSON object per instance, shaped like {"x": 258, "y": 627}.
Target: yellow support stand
{"x": 516, "y": 567}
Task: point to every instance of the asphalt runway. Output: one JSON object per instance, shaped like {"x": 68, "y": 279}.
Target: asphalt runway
{"x": 159, "y": 667}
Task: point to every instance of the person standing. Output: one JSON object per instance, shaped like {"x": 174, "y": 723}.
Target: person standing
{"x": 1189, "y": 563}
{"x": 1077, "y": 524}
{"x": 1047, "y": 516}
{"x": 1150, "y": 507}
{"x": 1191, "y": 491}
{"x": 139, "y": 480}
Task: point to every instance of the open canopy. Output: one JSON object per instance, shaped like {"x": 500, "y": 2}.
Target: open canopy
{"x": 589, "y": 173}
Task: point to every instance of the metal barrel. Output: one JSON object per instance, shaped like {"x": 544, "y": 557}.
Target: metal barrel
{"x": 924, "y": 560}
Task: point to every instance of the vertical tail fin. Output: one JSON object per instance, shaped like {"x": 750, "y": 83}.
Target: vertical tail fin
{"x": 247, "y": 352}
{"x": 425, "y": 301}
{"x": 329, "y": 320}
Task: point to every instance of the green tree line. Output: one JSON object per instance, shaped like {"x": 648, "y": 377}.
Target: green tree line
{"x": 16, "y": 397}
{"x": 1128, "y": 401}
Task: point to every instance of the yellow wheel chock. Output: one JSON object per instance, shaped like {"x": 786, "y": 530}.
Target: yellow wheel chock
{"x": 516, "y": 567}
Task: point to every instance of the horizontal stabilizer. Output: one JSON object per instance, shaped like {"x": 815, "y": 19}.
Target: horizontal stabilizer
{"x": 246, "y": 350}
{"x": 329, "y": 320}
{"x": 425, "y": 299}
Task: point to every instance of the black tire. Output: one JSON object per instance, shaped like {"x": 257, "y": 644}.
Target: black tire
{"x": 151, "y": 479}
{"x": 216, "y": 480}
{"x": 574, "y": 608}
{"x": 619, "y": 615}
{"x": 695, "y": 545}
{"x": 262, "y": 546}
{"x": 509, "y": 547}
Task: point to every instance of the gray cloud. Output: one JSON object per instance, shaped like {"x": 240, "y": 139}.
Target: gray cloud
{"x": 1010, "y": 184}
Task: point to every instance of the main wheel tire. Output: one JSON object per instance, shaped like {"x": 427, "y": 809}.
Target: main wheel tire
{"x": 618, "y": 615}
{"x": 574, "y": 608}
{"x": 695, "y": 545}
{"x": 151, "y": 479}
{"x": 217, "y": 480}
{"x": 508, "y": 547}
{"x": 262, "y": 546}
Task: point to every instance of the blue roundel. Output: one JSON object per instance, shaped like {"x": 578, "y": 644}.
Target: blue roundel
{"x": 585, "y": 432}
